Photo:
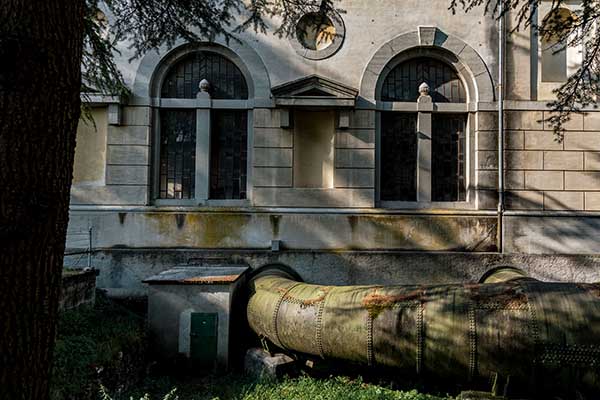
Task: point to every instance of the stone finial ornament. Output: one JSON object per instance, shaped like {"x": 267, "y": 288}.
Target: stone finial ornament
{"x": 424, "y": 89}
{"x": 204, "y": 85}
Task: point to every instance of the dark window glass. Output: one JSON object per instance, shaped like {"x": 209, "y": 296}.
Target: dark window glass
{"x": 448, "y": 157}
{"x": 226, "y": 80}
{"x": 177, "y": 154}
{"x": 399, "y": 157}
{"x": 228, "y": 154}
{"x": 402, "y": 83}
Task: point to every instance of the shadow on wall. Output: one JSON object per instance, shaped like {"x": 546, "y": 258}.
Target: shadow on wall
{"x": 301, "y": 230}
{"x": 563, "y": 232}
{"x": 122, "y": 270}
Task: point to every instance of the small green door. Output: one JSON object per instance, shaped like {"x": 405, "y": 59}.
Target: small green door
{"x": 203, "y": 340}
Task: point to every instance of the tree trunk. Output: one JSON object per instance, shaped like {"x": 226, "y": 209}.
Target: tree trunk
{"x": 40, "y": 77}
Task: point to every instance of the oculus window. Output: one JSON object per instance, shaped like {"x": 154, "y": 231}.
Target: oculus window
{"x": 318, "y": 35}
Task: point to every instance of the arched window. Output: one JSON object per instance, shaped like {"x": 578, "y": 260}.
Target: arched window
{"x": 226, "y": 79}
{"x": 202, "y": 152}
{"x": 402, "y": 83}
{"x": 423, "y": 153}
{"x": 554, "y": 45}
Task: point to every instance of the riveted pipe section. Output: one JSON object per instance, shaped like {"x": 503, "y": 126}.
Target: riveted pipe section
{"x": 458, "y": 332}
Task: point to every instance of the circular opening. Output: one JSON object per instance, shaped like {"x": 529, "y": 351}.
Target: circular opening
{"x": 315, "y": 31}
{"x": 556, "y": 24}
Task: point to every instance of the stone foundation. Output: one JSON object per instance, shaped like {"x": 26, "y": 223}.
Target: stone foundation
{"x": 78, "y": 289}
{"x": 126, "y": 268}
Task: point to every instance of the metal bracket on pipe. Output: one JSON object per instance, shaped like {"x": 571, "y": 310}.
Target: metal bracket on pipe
{"x": 265, "y": 344}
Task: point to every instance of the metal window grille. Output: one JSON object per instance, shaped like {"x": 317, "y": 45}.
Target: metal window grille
{"x": 402, "y": 83}
{"x": 448, "y": 176}
{"x": 229, "y": 154}
{"x": 177, "y": 154}
{"x": 399, "y": 157}
{"x": 226, "y": 80}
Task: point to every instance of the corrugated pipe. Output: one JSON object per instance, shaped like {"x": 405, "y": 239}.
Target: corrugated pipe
{"x": 513, "y": 327}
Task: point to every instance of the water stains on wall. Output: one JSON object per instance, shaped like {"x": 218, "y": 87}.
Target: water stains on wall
{"x": 240, "y": 230}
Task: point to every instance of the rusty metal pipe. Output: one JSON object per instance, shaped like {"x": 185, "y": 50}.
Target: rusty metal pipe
{"x": 504, "y": 273}
{"x": 460, "y": 332}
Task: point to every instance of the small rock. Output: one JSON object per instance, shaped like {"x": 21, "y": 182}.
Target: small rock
{"x": 260, "y": 364}
{"x": 473, "y": 395}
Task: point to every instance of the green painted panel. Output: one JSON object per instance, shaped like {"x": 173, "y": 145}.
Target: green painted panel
{"x": 203, "y": 339}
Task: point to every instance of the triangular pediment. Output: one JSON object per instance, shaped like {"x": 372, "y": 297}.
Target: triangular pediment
{"x": 314, "y": 90}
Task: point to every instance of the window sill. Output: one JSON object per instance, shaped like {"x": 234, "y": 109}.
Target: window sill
{"x": 434, "y": 205}
{"x": 201, "y": 203}
{"x": 226, "y": 203}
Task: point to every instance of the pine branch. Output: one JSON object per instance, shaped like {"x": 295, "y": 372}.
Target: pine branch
{"x": 579, "y": 30}
{"x": 150, "y": 24}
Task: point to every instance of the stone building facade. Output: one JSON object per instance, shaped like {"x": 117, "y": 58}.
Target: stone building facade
{"x": 325, "y": 151}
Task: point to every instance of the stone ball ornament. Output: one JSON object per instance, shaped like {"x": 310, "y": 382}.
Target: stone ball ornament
{"x": 204, "y": 85}
{"x": 424, "y": 89}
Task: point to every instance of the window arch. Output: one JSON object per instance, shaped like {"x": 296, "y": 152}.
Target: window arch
{"x": 202, "y": 135}
{"x": 183, "y": 79}
{"x": 402, "y": 83}
{"x": 554, "y": 45}
{"x": 423, "y": 153}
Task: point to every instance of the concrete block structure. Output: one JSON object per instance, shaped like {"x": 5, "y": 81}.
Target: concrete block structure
{"x": 370, "y": 156}
{"x": 192, "y": 313}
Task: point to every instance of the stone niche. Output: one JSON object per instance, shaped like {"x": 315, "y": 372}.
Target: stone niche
{"x": 315, "y": 149}
{"x": 314, "y": 136}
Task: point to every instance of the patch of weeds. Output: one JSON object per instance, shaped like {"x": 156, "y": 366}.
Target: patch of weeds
{"x": 172, "y": 395}
{"x": 105, "y": 343}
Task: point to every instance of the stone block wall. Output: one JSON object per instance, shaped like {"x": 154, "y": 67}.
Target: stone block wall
{"x": 355, "y": 152}
{"x": 273, "y": 151}
{"x": 547, "y": 173}
{"x": 78, "y": 289}
{"x": 486, "y": 159}
{"x": 544, "y": 172}
{"x": 128, "y": 159}
{"x": 128, "y": 155}
{"x": 541, "y": 174}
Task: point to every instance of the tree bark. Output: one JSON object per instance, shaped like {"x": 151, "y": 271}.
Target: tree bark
{"x": 40, "y": 78}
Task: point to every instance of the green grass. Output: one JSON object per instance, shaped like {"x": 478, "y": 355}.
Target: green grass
{"x": 328, "y": 389}
{"x": 104, "y": 343}
{"x": 234, "y": 387}
{"x": 107, "y": 344}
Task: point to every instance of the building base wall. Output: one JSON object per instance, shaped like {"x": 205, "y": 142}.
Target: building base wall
{"x": 552, "y": 234}
{"x": 126, "y": 268}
